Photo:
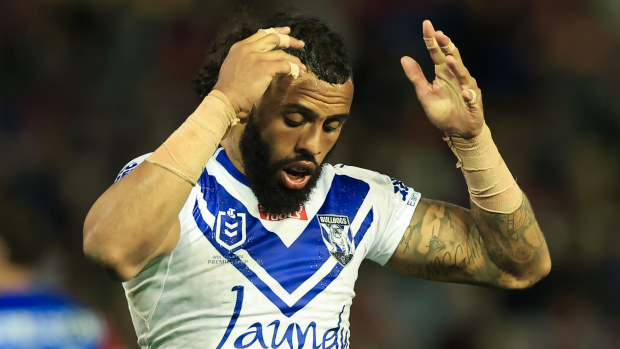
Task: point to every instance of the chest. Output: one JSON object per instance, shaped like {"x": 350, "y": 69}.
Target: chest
{"x": 289, "y": 260}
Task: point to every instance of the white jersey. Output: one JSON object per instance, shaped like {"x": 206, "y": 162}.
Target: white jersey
{"x": 240, "y": 277}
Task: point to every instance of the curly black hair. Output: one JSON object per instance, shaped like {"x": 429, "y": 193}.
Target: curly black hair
{"x": 324, "y": 54}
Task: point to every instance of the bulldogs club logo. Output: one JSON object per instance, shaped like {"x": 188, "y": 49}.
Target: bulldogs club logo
{"x": 230, "y": 231}
{"x": 336, "y": 234}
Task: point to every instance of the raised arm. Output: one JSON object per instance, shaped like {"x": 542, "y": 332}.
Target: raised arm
{"x": 498, "y": 241}
{"x": 136, "y": 219}
{"x": 448, "y": 243}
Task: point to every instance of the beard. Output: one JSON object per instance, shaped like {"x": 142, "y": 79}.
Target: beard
{"x": 262, "y": 173}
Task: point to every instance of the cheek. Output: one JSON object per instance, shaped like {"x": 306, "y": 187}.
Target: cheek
{"x": 281, "y": 142}
{"x": 328, "y": 142}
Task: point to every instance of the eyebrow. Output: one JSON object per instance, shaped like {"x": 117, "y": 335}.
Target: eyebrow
{"x": 311, "y": 113}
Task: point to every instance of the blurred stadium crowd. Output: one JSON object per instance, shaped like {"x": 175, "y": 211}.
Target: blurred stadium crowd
{"x": 86, "y": 85}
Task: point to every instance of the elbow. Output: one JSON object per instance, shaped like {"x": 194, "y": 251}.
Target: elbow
{"x": 545, "y": 266}
{"x": 112, "y": 258}
{"x": 543, "y": 269}
{"x": 530, "y": 277}
{"x": 94, "y": 243}
{"x": 97, "y": 251}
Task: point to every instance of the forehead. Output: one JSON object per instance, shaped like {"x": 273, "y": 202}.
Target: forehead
{"x": 311, "y": 92}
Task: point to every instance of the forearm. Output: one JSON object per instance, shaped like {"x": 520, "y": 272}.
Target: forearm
{"x": 131, "y": 222}
{"x": 502, "y": 213}
{"x": 515, "y": 243}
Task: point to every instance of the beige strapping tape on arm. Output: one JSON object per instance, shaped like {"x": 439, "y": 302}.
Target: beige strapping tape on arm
{"x": 491, "y": 186}
{"x": 187, "y": 150}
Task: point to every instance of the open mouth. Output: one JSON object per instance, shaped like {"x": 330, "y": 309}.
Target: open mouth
{"x": 297, "y": 174}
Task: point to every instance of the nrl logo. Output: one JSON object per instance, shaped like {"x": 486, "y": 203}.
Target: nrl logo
{"x": 230, "y": 229}
{"x": 336, "y": 234}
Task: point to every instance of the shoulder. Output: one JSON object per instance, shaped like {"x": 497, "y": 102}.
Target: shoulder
{"x": 130, "y": 166}
{"x": 383, "y": 186}
{"x": 361, "y": 174}
{"x": 374, "y": 179}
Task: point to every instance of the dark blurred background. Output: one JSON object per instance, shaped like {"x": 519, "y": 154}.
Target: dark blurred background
{"x": 86, "y": 86}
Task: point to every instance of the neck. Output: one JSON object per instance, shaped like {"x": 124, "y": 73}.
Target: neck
{"x": 231, "y": 145}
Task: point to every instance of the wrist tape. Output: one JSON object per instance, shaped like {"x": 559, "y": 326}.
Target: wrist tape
{"x": 490, "y": 184}
{"x": 187, "y": 150}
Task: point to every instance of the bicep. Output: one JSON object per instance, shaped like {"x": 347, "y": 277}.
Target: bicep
{"x": 168, "y": 244}
{"x": 126, "y": 271}
{"x": 135, "y": 220}
{"x": 442, "y": 243}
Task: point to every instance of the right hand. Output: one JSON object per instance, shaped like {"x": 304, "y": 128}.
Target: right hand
{"x": 251, "y": 65}
{"x": 453, "y": 101}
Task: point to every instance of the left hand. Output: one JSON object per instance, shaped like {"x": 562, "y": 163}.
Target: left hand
{"x": 448, "y": 102}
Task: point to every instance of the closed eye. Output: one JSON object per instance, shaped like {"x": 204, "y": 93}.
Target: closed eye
{"x": 294, "y": 119}
{"x": 332, "y": 125}
{"x": 292, "y": 123}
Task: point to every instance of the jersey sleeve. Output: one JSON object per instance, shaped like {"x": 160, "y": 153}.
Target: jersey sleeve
{"x": 130, "y": 166}
{"x": 394, "y": 205}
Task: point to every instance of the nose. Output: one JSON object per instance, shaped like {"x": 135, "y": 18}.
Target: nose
{"x": 309, "y": 140}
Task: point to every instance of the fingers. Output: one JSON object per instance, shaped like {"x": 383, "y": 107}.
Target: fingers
{"x": 295, "y": 66}
{"x": 439, "y": 44}
{"x": 262, "y": 47}
{"x": 470, "y": 96}
{"x": 447, "y": 46}
{"x": 263, "y": 32}
{"x": 281, "y": 55}
{"x": 468, "y": 86}
{"x": 284, "y": 41}
{"x": 428, "y": 31}
{"x": 443, "y": 51}
{"x": 283, "y": 67}
{"x": 414, "y": 74}
{"x": 252, "y": 64}
{"x": 294, "y": 70}
{"x": 269, "y": 39}
{"x": 460, "y": 72}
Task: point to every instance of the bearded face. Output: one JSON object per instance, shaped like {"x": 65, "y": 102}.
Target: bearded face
{"x": 270, "y": 179}
{"x": 288, "y": 136}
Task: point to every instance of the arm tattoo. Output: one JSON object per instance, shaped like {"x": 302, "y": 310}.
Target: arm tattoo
{"x": 442, "y": 244}
{"x": 449, "y": 243}
{"x": 407, "y": 236}
{"x": 514, "y": 240}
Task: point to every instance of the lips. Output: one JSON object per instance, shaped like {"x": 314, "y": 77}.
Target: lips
{"x": 297, "y": 174}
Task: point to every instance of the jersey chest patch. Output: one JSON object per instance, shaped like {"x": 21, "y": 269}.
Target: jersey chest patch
{"x": 337, "y": 237}
{"x": 290, "y": 275}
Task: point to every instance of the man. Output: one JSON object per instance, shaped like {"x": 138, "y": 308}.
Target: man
{"x": 260, "y": 248}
